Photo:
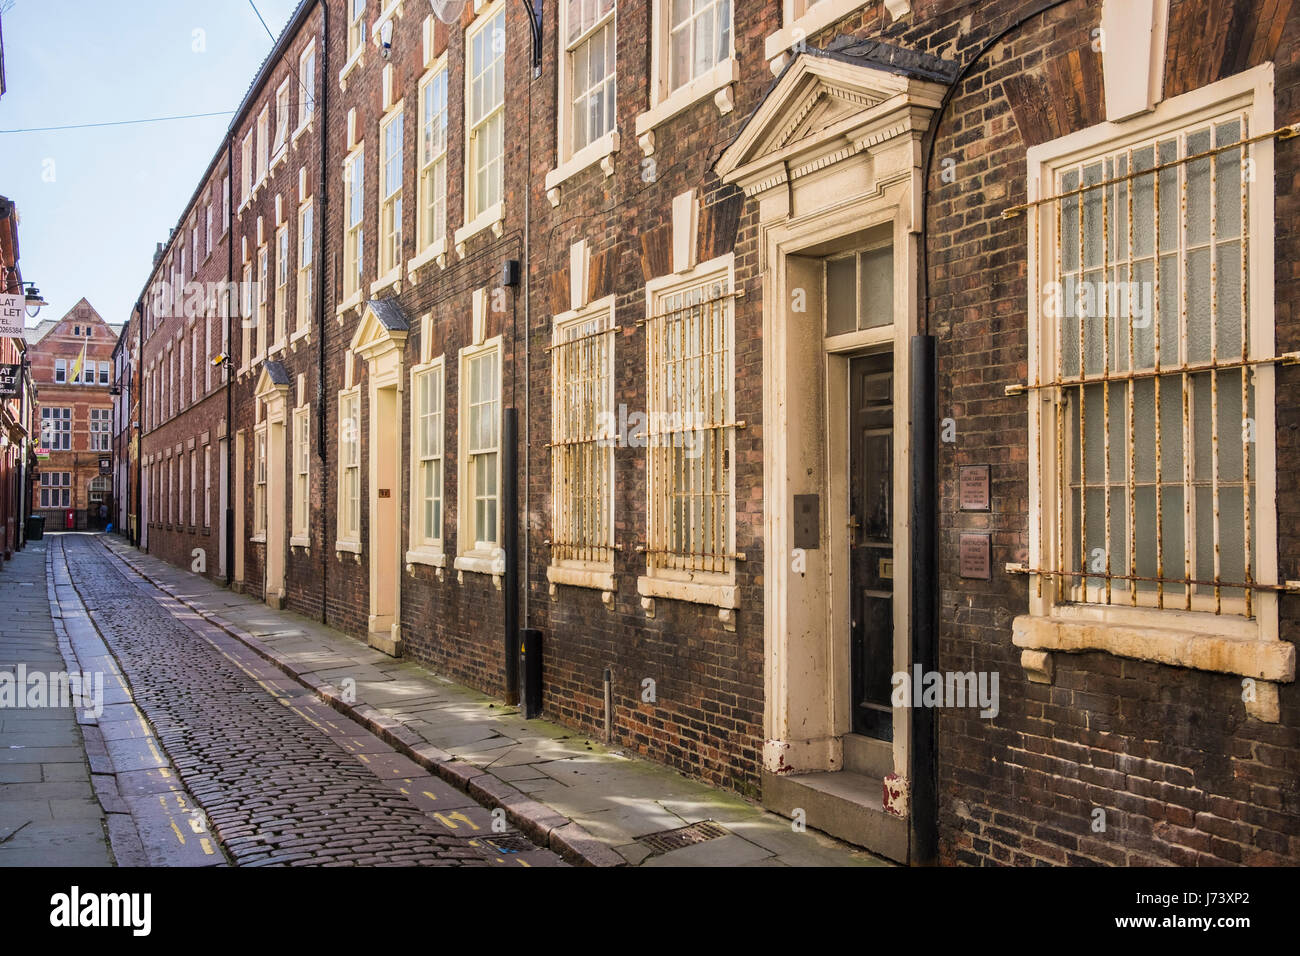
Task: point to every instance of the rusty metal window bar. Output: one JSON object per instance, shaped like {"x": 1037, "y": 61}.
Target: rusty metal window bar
{"x": 690, "y": 429}
{"x": 1148, "y": 360}
{"x": 582, "y": 443}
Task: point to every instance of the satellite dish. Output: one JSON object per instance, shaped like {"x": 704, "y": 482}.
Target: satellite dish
{"x": 448, "y": 11}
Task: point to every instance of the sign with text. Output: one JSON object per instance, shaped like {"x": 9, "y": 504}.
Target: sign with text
{"x": 13, "y": 316}
{"x": 974, "y": 558}
{"x": 10, "y": 378}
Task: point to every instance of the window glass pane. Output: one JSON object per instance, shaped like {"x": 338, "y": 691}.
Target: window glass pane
{"x": 841, "y": 295}
{"x": 878, "y": 287}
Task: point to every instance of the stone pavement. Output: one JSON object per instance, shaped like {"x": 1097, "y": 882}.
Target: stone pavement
{"x": 49, "y": 815}
{"x": 588, "y": 801}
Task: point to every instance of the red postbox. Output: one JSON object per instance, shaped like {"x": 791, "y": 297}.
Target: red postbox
{"x": 70, "y": 519}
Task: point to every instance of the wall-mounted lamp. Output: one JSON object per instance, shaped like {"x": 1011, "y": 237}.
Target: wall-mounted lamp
{"x": 448, "y": 11}
{"x": 34, "y": 300}
{"x": 386, "y": 39}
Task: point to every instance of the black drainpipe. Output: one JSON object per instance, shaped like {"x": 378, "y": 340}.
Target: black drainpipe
{"x": 318, "y": 256}
{"x": 924, "y": 436}
{"x": 139, "y": 432}
{"x": 226, "y": 366}
{"x": 924, "y": 838}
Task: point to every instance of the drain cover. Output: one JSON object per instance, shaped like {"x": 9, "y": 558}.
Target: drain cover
{"x": 509, "y": 843}
{"x": 665, "y": 841}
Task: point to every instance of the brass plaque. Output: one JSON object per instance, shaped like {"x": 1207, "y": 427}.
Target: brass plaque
{"x": 974, "y": 556}
{"x": 886, "y": 569}
{"x": 385, "y": 492}
{"x": 973, "y": 487}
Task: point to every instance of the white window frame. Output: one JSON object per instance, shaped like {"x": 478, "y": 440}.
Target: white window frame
{"x": 259, "y": 482}
{"x": 101, "y": 423}
{"x": 388, "y": 247}
{"x": 800, "y": 19}
{"x": 281, "y": 141}
{"x": 666, "y": 102}
{"x": 207, "y": 487}
{"x": 1198, "y": 639}
{"x": 431, "y": 201}
{"x": 306, "y": 87}
{"x": 356, "y": 29}
{"x": 348, "y": 531}
{"x": 300, "y": 533}
{"x": 424, "y": 549}
{"x": 263, "y": 144}
{"x": 594, "y": 327}
{"x": 60, "y": 371}
{"x": 699, "y": 586}
{"x": 245, "y": 314}
{"x": 62, "y": 417}
{"x": 246, "y": 171}
{"x": 263, "y": 300}
{"x": 571, "y": 161}
{"x": 306, "y": 264}
{"x": 194, "y": 487}
{"x": 279, "y": 319}
{"x": 354, "y": 173}
{"x": 482, "y": 557}
{"x": 480, "y": 214}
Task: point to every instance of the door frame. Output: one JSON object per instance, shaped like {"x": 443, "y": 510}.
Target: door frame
{"x": 807, "y": 617}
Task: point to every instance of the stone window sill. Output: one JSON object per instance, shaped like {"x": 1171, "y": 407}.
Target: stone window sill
{"x": 431, "y": 557}
{"x": 437, "y": 250}
{"x": 348, "y": 547}
{"x": 491, "y": 218}
{"x": 390, "y": 279}
{"x": 355, "y": 60}
{"x": 1190, "y": 639}
{"x": 304, "y": 128}
{"x": 596, "y": 152}
{"x": 717, "y": 82}
{"x": 300, "y": 541}
{"x": 348, "y": 304}
{"x": 596, "y": 577}
{"x": 482, "y": 562}
{"x": 715, "y": 590}
{"x": 257, "y": 539}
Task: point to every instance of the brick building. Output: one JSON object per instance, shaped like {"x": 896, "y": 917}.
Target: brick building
{"x": 857, "y": 351}
{"x": 17, "y": 451}
{"x": 71, "y": 366}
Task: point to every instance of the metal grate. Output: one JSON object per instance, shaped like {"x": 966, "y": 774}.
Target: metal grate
{"x": 1148, "y": 373}
{"x": 690, "y": 430}
{"x": 665, "y": 841}
{"x": 582, "y": 449}
{"x": 510, "y": 843}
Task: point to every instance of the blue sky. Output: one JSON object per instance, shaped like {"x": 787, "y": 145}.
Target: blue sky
{"x": 94, "y": 202}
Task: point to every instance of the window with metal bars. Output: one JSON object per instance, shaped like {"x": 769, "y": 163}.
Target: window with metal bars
{"x": 1151, "y": 355}
{"x": 690, "y": 427}
{"x": 582, "y": 449}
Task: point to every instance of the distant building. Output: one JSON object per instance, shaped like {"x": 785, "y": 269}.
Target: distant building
{"x": 71, "y": 365}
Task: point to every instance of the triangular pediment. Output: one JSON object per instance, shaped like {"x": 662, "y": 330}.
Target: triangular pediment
{"x": 273, "y": 380}
{"x": 823, "y": 103}
{"x": 383, "y": 326}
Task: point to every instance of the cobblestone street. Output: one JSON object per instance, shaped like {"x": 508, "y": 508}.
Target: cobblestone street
{"x": 276, "y": 776}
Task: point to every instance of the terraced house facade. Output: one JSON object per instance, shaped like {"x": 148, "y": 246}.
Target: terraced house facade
{"x": 875, "y": 407}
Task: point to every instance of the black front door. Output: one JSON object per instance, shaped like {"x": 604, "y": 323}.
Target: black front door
{"x": 871, "y": 541}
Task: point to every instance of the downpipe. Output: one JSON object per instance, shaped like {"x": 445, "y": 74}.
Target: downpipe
{"x": 924, "y": 637}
